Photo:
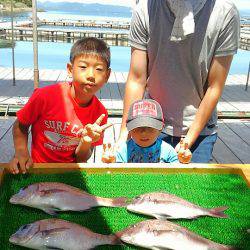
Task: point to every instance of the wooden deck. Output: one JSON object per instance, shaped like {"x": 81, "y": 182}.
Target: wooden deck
{"x": 234, "y": 99}
{"x": 111, "y": 94}
{"x": 232, "y": 146}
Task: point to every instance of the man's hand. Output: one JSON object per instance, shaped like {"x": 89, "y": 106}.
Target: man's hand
{"x": 184, "y": 154}
{"x": 108, "y": 154}
{"x": 20, "y": 163}
{"x": 93, "y": 132}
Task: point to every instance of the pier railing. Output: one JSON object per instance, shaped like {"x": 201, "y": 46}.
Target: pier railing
{"x": 65, "y": 35}
{"x": 113, "y": 32}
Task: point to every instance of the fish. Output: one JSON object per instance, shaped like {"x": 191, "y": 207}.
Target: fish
{"x": 158, "y": 235}
{"x": 52, "y": 197}
{"x": 164, "y": 206}
{"x": 59, "y": 234}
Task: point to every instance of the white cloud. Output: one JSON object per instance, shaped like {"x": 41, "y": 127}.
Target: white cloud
{"x": 127, "y": 3}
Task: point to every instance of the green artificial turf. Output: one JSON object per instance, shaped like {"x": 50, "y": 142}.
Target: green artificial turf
{"x": 207, "y": 190}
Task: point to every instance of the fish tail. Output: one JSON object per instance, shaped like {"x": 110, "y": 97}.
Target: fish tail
{"x": 113, "y": 202}
{"x": 114, "y": 239}
{"x": 218, "y": 212}
{"x": 119, "y": 202}
{"x": 223, "y": 247}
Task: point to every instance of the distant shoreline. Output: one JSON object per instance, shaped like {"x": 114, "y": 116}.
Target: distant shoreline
{"x": 16, "y": 10}
{"x": 7, "y": 11}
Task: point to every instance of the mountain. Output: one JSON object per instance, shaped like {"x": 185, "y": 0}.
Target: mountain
{"x": 85, "y": 8}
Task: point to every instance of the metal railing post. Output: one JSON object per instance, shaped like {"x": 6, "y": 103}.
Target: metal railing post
{"x": 35, "y": 44}
{"x": 13, "y": 45}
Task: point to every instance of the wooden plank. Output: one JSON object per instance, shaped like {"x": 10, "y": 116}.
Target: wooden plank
{"x": 240, "y": 129}
{"x": 5, "y": 126}
{"x": 48, "y": 77}
{"x": 2, "y": 70}
{"x": 115, "y": 95}
{"x": 234, "y": 97}
{"x": 7, "y": 148}
{"x": 63, "y": 76}
{"x": 223, "y": 154}
{"x": 162, "y": 168}
{"x": 116, "y": 127}
{"x": 121, "y": 83}
{"x": 247, "y": 123}
{"x": 5, "y": 73}
{"x": 226, "y": 106}
{"x": 236, "y": 144}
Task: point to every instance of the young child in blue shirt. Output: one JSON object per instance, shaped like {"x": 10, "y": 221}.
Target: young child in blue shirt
{"x": 145, "y": 123}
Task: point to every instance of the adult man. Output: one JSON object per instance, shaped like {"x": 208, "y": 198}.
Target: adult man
{"x": 182, "y": 51}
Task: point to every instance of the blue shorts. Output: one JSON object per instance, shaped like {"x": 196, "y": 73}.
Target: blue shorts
{"x": 201, "y": 150}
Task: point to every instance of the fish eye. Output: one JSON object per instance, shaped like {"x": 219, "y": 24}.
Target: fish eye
{"x": 24, "y": 227}
{"x": 23, "y": 188}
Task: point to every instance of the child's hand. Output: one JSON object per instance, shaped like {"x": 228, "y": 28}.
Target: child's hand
{"x": 184, "y": 154}
{"x": 93, "y": 132}
{"x": 108, "y": 154}
{"x": 20, "y": 163}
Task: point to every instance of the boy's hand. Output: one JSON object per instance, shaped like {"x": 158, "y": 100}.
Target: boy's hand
{"x": 108, "y": 155}
{"x": 20, "y": 163}
{"x": 184, "y": 153}
{"x": 93, "y": 132}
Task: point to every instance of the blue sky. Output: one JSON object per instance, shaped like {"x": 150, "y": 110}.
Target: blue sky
{"x": 241, "y": 4}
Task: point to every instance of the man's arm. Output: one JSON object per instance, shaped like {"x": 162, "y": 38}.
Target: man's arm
{"x": 22, "y": 157}
{"x": 216, "y": 80}
{"x": 135, "y": 85}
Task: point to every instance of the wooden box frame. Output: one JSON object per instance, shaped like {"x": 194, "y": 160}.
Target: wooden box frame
{"x": 140, "y": 168}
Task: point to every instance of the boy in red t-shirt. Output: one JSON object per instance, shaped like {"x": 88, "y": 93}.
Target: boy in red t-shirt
{"x": 67, "y": 120}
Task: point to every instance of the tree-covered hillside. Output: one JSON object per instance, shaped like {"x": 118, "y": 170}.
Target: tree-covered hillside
{"x": 17, "y": 3}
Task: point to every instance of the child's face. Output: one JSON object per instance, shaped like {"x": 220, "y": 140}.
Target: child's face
{"x": 144, "y": 136}
{"x": 89, "y": 73}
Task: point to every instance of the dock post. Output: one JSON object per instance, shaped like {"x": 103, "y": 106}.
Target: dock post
{"x": 68, "y": 37}
{"x": 247, "y": 76}
{"x": 35, "y": 44}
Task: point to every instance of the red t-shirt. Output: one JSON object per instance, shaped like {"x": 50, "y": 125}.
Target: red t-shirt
{"x": 57, "y": 122}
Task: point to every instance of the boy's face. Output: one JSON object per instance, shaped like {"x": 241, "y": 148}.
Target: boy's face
{"x": 89, "y": 74}
{"x": 144, "y": 136}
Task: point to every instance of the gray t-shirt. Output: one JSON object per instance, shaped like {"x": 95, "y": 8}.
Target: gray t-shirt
{"x": 178, "y": 71}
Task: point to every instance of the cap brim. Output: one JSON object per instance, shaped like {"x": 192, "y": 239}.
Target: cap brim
{"x": 144, "y": 122}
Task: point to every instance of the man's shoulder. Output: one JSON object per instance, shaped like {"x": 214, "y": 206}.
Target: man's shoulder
{"x": 146, "y": 6}
{"x": 225, "y": 6}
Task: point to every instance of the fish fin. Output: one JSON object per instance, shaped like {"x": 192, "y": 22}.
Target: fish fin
{"x": 161, "y": 216}
{"x": 218, "y": 212}
{"x": 223, "y": 247}
{"x": 161, "y": 248}
{"x": 120, "y": 202}
{"x": 50, "y": 211}
{"x": 53, "y": 248}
